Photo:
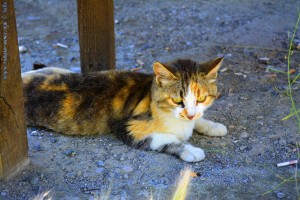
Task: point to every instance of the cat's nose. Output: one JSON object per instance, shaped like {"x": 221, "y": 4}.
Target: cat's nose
{"x": 190, "y": 117}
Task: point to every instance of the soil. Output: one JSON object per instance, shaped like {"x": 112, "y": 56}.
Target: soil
{"x": 240, "y": 165}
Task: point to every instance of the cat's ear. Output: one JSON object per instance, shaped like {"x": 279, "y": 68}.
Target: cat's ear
{"x": 213, "y": 68}
{"x": 163, "y": 75}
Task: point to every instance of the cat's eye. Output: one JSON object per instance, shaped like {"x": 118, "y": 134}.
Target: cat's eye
{"x": 201, "y": 99}
{"x": 177, "y": 100}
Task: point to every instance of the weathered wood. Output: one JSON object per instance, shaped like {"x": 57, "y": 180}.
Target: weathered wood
{"x": 96, "y": 34}
{"x": 13, "y": 138}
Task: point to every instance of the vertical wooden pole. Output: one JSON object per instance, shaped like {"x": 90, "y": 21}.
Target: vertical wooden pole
{"x": 96, "y": 34}
{"x": 13, "y": 138}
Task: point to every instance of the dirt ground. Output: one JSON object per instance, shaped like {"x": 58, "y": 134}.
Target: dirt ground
{"x": 241, "y": 165}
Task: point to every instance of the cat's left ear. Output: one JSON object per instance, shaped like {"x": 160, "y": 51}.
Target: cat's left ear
{"x": 213, "y": 68}
{"x": 163, "y": 75}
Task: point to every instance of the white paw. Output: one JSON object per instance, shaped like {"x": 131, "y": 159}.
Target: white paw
{"x": 216, "y": 129}
{"x": 192, "y": 154}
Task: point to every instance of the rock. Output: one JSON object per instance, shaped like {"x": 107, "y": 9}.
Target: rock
{"x": 34, "y": 180}
{"x": 140, "y": 62}
{"x": 69, "y": 152}
{"x": 99, "y": 170}
{"x": 53, "y": 140}
{"x": 22, "y": 49}
{"x": 282, "y": 142}
{"x": 263, "y": 60}
{"x": 280, "y": 195}
{"x": 100, "y": 163}
{"x": 37, "y": 147}
{"x": 34, "y": 133}
{"x": 244, "y": 135}
{"x": 242, "y": 148}
{"x": 71, "y": 175}
{"x": 3, "y": 193}
{"x": 128, "y": 168}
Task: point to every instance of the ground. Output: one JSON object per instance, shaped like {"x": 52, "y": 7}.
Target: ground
{"x": 240, "y": 165}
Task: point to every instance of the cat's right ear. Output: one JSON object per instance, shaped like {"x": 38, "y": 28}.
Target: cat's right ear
{"x": 163, "y": 75}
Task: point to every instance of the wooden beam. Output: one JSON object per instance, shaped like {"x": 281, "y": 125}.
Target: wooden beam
{"x": 13, "y": 138}
{"x": 96, "y": 34}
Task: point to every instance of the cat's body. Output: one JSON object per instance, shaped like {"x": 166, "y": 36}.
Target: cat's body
{"x": 157, "y": 112}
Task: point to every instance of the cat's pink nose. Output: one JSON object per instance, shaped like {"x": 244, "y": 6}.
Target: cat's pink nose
{"x": 190, "y": 117}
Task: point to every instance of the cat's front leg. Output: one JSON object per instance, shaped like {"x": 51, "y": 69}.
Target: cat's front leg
{"x": 210, "y": 128}
{"x": 169, "y": 143}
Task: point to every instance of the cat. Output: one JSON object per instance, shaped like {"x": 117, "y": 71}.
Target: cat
{"x": 156, "y": 111}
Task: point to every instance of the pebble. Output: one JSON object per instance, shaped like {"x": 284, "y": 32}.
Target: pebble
{"x": 22, "y": 49}
{"x": 53, "y": 140}
{"x": 282, "y": 142}
{"x": 128, "y": 168}
{"x": 99, "y": 170}
{"x": 69, "y": 152}
{"x": 34, "y": 133}
{"x": 244, "y": 135}
{"x": 263, "y": 60}
{"x": 100, "y": 163}
{"x": 280, "y": 195}
{"x": 3, "y": 193}
{"x": 71, "y": 175}
{"x": 37, "y": 147}
{"x": 34, "y": 180}
{"x": 242, "y": 148}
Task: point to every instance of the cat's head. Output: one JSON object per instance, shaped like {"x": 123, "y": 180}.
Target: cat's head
{"x": 186, "y": 88}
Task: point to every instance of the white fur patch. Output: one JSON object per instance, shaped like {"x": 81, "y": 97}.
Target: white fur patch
{"x": 210, "y": 128}
{"x": 183, "y": 129}
{"x": 190, "y": 102}
{"x": 160, "y": 139}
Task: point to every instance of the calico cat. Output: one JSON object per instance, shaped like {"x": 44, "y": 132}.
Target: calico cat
{"x": 148, "y": 111}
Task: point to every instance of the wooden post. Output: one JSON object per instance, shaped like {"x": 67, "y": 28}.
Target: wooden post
{"x": 13, "y": 138}
{"x": 96, "y": 34}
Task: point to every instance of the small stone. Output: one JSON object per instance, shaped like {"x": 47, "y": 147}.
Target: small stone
{"x": 69, "y": 152}
{"x": 122, "y": 158}
{"x": 140, "y": 62}
{"x": 3, "y": 193}
{"x": 100, "y": 163}
{"x": 280, "y": 195}
{"x": 189, "y": 43}
{"x": 53, "y": 140}
{"x": 34, "y": 133}
{"x": 71, "y": 175}
{"x": 37, "y": 147}
{"x": 34, "y": 180}
{"x": 99, "y": 170}
{"x": 242, "y": 148}
{"x": 126, "y": 176}
{"x": 282, "y": 142}
{"x": 263, "y": 60}
{"x": 244, "y": 135}
{"x": 22, "y": 49}
{"x": 127, "y": 168}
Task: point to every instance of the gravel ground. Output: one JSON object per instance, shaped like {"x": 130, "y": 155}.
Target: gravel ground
{"x": 241, "y": 165}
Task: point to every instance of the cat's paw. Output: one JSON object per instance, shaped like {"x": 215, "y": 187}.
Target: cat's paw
{"x": 192, "y": 154}
{"x": 216, "y": 129}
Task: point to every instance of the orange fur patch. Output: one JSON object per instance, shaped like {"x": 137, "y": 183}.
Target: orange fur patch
{"x": 142, "y": 106}
{"x": 141, "y": 129}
